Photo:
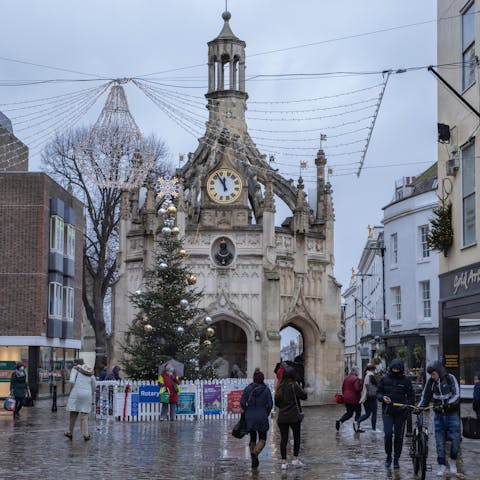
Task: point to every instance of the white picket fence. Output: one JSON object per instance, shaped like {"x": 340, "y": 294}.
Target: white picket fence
{"x": 138, "y": 401}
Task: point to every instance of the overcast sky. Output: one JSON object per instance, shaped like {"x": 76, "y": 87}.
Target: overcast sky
{"x": 119, "y": 38}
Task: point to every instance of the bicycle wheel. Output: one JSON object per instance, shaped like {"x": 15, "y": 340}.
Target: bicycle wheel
{"x": 422, "y": 455}
{"x": 414, "y": 453}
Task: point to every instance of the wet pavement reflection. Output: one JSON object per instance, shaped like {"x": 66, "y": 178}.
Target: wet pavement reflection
{"x": 34, "y": 447}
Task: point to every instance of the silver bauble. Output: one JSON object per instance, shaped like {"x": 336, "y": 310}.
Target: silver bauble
{"x": 180, "y": 329}
{"x": 166, "y": 230}
{"x": 162, "y": 211}
{"x": 208, "y": 320}
{"x": 184, "y": 302}
{"x": 163, "y": 266}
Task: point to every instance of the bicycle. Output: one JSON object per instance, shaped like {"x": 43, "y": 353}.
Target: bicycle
{"x": 419, "y": 446}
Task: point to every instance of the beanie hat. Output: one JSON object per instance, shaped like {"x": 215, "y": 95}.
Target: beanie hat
{"x": 258, "y": 376}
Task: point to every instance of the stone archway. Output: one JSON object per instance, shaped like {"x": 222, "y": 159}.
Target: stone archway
{"x": 231, "y": 344}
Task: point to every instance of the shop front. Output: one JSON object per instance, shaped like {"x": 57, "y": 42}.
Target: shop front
{"x": 459, "y": 325}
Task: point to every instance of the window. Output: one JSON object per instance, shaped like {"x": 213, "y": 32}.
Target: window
{"x": 422, "y": 240}
{"x": 56, "y": 234}
{"x": 70, "y": 247}
{"x": 425, "y": 296}
{"x": 468, "y": 194}
{"x": 468, "y": 46}
{"x": 396, "y": 304}
{"x": 68, "y": 298}
{"x": 393, "y": 249}
{"x": 55, "y": 300}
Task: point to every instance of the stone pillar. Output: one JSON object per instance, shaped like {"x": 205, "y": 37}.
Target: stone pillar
{"x": 211, "y": 76}
{"x": 241, "y": 77}
{"x": 232, "y": 75}
{"x": 219, "y": 76}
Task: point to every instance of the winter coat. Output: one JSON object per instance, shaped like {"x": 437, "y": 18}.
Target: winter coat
{"x": 81, "y": 395}
{"x": 397, "y": 387}
{"x": 351, "y": 389}
{"x": 444, "y": 393}
{"x": 171, "y": 384}
{"x": 287, "y": 400}
{"x": 257, "y": 404}
{"x": 114, "y": 374}
{"x": 369, "y": 379}
{"x": 18, "y": 384}
{"x": 476, "y": 395}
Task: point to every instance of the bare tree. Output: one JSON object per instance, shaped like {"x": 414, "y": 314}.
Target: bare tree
{"x": 77, "y": 160}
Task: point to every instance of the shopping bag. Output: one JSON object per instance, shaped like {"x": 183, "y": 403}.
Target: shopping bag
{"x": 240, "y": 429}
{"x": 165, "y": 397}
{"x": 338, "y": 398}
{"x": 9, "y": 404}
{"x": 28, "y": 401}
{"x": 471, "y": 427}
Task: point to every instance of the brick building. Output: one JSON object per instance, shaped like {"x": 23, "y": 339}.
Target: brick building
{"x": 41, "y": 231}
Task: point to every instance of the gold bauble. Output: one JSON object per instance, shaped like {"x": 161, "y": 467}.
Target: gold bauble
{"x": 175, "y": 231}
{"x": 148, "y": 328}
{"x": 207, "y": 343}
{"x": 182, "y": 253}
{"x": 171, "y": 210}
{"x": 191, "y": 279}
{"x": 210, "y": 332}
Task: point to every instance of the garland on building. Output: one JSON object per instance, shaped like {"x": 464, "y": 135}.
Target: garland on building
{"x": 169, "y": 323}
{"x": 440, "y": 237}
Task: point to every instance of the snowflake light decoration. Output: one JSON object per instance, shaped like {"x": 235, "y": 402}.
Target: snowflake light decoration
{"x": 167, "y": 188}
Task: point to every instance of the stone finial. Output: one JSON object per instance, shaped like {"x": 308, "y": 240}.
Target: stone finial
{"x": 269, "y": 198}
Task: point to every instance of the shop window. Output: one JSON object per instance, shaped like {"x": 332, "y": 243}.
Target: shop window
{"x": 469, "y": 355}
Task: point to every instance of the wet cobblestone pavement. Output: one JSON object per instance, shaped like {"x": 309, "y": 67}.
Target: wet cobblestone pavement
{"x": 34, "y": 447}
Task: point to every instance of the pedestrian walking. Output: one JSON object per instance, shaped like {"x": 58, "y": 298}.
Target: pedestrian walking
{"x": 287, "y": 399}
{"x": 351, "y": 389}
{"x": 114, "y": 374}
{"x": 394, "y": 387}
{"x": 443, "y": 391}
{"x": 237, "y": 372}
{"x": 257, "y": 404}
{"x": 18, "y": 388}
{"x": 103, "y": 374}
{"x": 476, "y": 397}
{"x": 369, "y": 399}
{"x": 170, "y": 387}
{"x": 81, "y": 398}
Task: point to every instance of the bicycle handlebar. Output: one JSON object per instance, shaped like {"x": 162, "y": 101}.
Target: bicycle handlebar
{"x": 413, "y": 407}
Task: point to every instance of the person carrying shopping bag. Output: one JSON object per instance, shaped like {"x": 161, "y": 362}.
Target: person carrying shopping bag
{"x": 169, "y": 390}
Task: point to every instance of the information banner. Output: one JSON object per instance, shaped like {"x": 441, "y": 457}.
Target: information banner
{"x": 134, "y": 404}
{"x": 212, "y": 399}
{"x": 186, "y": 403}
{"x": 233, "y": 401}
{"x": 149, "y": 394}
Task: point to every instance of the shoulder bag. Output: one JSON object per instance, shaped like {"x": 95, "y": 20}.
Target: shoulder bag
{"x": 301, "y": 415}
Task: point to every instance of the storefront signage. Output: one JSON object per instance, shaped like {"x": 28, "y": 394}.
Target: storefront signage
{"x": 6, "y": 370}
{"x": 466, "y": 278}
{"x": 451, "y": 361}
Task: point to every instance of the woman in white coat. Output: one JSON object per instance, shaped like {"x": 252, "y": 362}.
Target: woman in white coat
{"x": 81, "y": 398}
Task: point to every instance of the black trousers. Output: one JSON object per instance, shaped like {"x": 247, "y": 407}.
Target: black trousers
{"x": 284, "y": 428}
{"x": 393, "y": 427}
{"x": 352, "y": 408}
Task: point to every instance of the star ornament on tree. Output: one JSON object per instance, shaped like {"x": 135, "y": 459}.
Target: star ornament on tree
{"x": 167, "y": 188}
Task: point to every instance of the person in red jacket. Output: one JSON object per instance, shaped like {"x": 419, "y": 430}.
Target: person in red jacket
{"x": 351, "y": 390}
{"x": 169, "y": 382}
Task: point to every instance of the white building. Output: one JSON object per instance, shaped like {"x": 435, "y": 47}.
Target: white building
{"x": 411, "y": 272}
{"x": 364, "y": 312}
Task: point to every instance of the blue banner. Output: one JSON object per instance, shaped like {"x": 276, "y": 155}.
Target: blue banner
{"x": 149, "y": 394}
{"x": 186, "y": 403}
{"x": 134, "y": 405}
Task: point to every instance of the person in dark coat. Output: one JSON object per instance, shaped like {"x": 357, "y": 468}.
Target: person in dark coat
{"x": 351, "y": 390}
{"x": 394, "y": 387}
{"x": 443, "y": 390}
{"x": 257, "y": 404}
{"x": 287, "y": 399}
{"x": 114, "y": 374}
{"x": 476, "y": 396}
{"x": 18, "y": 387}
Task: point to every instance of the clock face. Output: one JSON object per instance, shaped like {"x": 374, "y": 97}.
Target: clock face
{"x": 224, "y": 185}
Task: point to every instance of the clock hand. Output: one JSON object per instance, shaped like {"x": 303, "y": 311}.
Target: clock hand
{"x": 222, "y": 179}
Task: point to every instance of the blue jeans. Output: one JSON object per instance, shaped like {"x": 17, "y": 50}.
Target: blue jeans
{"x": 370, "y": 406}
{"x": 447, "y": 426}
{"x": 394, "y": 424}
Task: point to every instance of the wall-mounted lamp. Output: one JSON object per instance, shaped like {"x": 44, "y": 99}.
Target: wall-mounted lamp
{"x": 258, "y": 336}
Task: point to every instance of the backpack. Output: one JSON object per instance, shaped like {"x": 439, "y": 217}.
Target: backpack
{"x": 372, "y": 387}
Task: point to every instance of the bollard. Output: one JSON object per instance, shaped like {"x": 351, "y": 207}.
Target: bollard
{"x": 54, "y": 398}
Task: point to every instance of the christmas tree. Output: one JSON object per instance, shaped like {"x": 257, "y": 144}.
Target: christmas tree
{"x": 169, "y": 323}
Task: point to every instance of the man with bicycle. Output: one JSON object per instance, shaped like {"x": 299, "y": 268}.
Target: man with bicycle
{"x": 443, "y": 391}
{"x": 393, "y": 388}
